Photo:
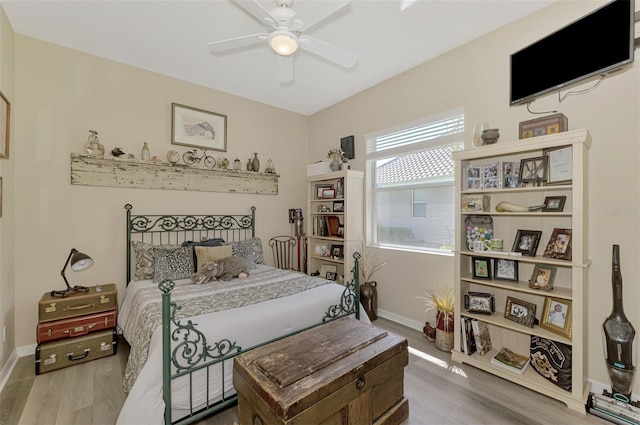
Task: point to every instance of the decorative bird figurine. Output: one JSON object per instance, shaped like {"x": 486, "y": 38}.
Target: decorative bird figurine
{"x": 117, "y": 151}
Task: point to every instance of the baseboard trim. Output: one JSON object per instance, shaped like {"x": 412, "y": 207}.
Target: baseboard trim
{"x": 26, "y": 350}
{"x": 401, "y": 320}
{"x": 5, "y": 373}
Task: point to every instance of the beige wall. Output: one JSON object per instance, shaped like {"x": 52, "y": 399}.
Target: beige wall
{"x": 476, "y": 77}
{"x": 7, "y": 222}
{"x": 63, "y": 93}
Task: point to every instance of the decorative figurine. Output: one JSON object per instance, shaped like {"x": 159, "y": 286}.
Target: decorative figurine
{"x": 117, "y": 152}
{"x": 94, "y": 147}
{"x": 173, "y": 157}
{"x": 269, "y": 169}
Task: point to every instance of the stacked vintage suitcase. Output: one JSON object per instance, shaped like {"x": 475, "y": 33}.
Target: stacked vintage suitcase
{"x": 77, "y": 328}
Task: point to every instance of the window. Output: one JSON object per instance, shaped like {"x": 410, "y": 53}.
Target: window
{"x": 410, "y": 183}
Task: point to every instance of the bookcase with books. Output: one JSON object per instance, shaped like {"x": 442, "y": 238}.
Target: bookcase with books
{"x": 520, "y": 255}
{"x": 335, "y": 223}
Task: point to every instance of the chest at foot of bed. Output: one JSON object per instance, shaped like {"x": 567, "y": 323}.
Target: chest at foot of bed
{"x": 343, "y": 372}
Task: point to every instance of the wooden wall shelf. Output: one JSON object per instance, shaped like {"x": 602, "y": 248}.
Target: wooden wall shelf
{"x": 132, "y": 173}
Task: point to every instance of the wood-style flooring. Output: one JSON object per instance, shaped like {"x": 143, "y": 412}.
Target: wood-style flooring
{"x": 439, "y": 392}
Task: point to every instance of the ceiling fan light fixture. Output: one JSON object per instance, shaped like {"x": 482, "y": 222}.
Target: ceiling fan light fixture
{"x": 283, "y": 43}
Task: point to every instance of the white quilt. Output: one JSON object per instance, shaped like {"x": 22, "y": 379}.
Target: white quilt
{"x": 247, "y": 320}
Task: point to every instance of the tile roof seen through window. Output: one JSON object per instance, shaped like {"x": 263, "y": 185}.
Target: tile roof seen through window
{"x": 422, "y": 167}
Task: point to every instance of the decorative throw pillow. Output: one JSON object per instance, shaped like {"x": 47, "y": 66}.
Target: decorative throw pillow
{"x": 206, "y": 254}
{"x": 251, "y": 249}
{"x": 174, "y": 263}
{"x": 552, "y": 360}
{"x": 144, "y": 262}
{"x": 206, "y": 242}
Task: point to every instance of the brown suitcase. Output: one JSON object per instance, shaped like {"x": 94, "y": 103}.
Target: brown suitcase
{"x": 56, "y": 355}
{"x": 343, "y": 372}
{"x": 75, "y": 326}
{"x": 77, "y": 303}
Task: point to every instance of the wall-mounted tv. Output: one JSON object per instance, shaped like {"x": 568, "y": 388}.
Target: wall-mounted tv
{"x": 598, "y": 43}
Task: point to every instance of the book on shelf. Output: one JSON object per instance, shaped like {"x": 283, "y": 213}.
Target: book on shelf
{"x": 481, "y": 336}
{"x": 468, "y": 340}
{"x": 509, "y": 360}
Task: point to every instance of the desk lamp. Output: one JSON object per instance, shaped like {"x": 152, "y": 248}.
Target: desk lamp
{"x": 79, "y": 261}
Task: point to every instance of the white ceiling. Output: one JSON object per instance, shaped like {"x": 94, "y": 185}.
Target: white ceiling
{"x": 170, "y": 37}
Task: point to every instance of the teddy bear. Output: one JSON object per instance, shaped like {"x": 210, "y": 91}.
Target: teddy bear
{"x": 224, "y": 269}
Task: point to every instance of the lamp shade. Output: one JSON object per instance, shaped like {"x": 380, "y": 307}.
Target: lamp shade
{"x": 79, "y": 261}
{"x": 283, "y": 43}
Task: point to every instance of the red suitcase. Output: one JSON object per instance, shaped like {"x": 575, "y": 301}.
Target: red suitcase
{"x": 75, "y": 326}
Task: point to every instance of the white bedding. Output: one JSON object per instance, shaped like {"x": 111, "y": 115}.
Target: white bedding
{"x": 247, "y": 325}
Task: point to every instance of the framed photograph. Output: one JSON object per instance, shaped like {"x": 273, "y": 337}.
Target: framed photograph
{"x": 330, "y": 276}
{"x": 511, "y": 174}
{"x": 347, "y": 146}
{"x": 328, "y": 193}
{"x": 320, "y": 188}
{"x": 533, "y": 170}
{"x": 322, "y": 250}
{"x": 338, "y": 206}
{"x": 521, "y": 312}
{"x": 542, "y": 277}
{"x": 340, "y": 233}
{"x": 5, "y": 120}
{"x": 479, "y": 302}
{"x": 198, "y": 128}
{"x": 337, "y": 251}
{"x": 560, "y": 165}
{"x": 554, "y": 203}
{"x": 526, "y": 242}
{"x": 505, "y": 269}
{"x": 559, "y": 245}
{"x": 328, "y": 268}
{"x": 474, "y": 178}
{"x": 481, "y": 267}
{"x": 556, "y": 316}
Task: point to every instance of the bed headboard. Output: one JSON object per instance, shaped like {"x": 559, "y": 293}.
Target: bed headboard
{"x": 175, "y": 229}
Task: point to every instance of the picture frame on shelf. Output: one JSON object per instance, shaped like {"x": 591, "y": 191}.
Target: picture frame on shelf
{"x": 554, "y": 203}
{"x": 556, "y": 316}
{"x": 474, "y": 178}
{"x": 327, "y": 268}
{"x": 5, "y": 126}
{"x": 492, "y": 176}
{"x": 521, "y": 312}
{"x": 337, "y": 251}
{"x": 505, "y": 269}
{"x": 330, "y": 276}
{"x": 198, "y": 128}
{"x": 510, "y": 175}
{"x": 559, "y": 245}
{"x": 542, "y": 277}
{"x": 347, "y": 144}
{"x": 560, "y": 165}
{"x": 533, "y": 170}
{"x": 481, "y": 267}
{"x": 320, "y": 188}
{"x": 322, "y": 250}
{"x": 340, "y": 233}
{"x": 338, "y": 206}
{"x": 526, "y": 242}
{"x": 328, "y": 193}
{"x": 479, "y": 303}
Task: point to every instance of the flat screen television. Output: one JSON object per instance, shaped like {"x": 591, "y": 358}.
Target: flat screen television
{"x": 598, "y": 43}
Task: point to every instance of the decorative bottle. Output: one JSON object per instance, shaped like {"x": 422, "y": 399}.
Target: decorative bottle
{"x": 236, "y": 164}
{"x": 145, "y": 155}
{"x": 250, "y": 165}
{"x": 256, "y": 163}
{"x": 619, "y": 335}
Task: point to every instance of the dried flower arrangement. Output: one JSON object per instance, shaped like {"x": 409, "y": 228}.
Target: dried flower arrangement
{"x": 336, "y": 154}
{"x": 441, "y": 299}
{"x": 370, "y": 261}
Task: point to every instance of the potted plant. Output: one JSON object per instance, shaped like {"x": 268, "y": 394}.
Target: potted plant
{"x": 370, "y": 263}
{"x": 443, "y": 301}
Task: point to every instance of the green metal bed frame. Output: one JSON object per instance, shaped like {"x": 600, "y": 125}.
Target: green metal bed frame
{"x": 193, "y": 353}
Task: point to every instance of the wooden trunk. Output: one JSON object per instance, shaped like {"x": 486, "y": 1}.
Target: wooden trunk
{"x": 77, "y": 303}
{"x": 68, "y": 352}
{"x": 343, "y": 372}
{"x": 75, "y": 326}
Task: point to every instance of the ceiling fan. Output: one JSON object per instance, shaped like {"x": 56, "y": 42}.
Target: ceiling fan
{"x": 285, "y": 36}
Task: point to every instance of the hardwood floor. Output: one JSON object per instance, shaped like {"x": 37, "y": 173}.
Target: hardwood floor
{"x": 439, "y": 391}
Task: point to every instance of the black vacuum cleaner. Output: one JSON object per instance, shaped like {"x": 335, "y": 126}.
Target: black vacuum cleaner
{"x": 617, "y": 406}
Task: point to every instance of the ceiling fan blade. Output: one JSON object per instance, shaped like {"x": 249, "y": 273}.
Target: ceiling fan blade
{"x": 314, "y": 11}
{"x": 285, "y": 68}
{"x": 235, "y": 43}
{"x": 328, "y": 51}
{"x": 259, "y": 12}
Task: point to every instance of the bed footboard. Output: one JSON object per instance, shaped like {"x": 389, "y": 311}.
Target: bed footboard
{"x": 192, "y": 354}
